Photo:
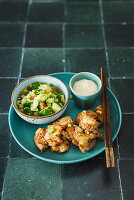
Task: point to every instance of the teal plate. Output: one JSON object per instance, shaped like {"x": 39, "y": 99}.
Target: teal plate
{"x": 23, "y": 132}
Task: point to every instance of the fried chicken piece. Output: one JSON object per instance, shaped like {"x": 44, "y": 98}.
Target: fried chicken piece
{"x": 39, "y": 139}
{"x": 100, "y": 115}
{"x": 63, "y": 147}
{"x": 69, "y": 134}
{"x": 85, "y": 142}
{"x": 53, "y": 137}
{"x": 90, "y": 113}
{"x": 64, "y": 121}
{"x": 88, "y": 123}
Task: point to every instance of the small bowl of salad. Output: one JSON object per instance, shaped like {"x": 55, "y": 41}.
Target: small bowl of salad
{"x": 40, "y": 99}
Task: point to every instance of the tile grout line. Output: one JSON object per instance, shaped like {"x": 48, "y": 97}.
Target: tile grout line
{"x": 120, "y": 179}
{"x": 24, "y": 39}
{"x": 104, "y": 37}
{"x": 21, "y": 62}
{"x": 71, "y": 23}
{"x": 63, "y": 37}
{"x": 2, "y": 192}
{"x": 64, "y": 24}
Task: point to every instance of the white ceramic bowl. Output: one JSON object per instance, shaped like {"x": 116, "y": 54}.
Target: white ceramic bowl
{"x": 45, "y": 79}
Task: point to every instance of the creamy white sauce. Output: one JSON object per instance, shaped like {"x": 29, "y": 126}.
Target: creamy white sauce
{"x": 85, "y": 87}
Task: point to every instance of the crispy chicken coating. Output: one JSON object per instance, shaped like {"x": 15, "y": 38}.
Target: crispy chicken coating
{"x": 85, "y": 142}
{"x": 54, "y": 139}
{"x": 88, "y": 122}
{"x": 39, "y": 139}
{"x": 64, "y": 121}
{"x": 63, "y": 130}
{"x": 63, "y": 147}
{"x": 99, "y": 112}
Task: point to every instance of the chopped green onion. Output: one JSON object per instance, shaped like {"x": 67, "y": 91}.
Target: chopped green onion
{"x": 75, "y": 125}
{"x": 87, "y": 132}
{"x": 83, "y": 112}
{"x": 50, "y": 130}
{"x": 80, "y": 130}
{"x": 56, "y": 133}
{"x": 69, "y": 125}
{"x": 63, "y": 137}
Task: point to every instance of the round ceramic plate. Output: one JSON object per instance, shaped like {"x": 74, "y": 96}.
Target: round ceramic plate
{"x": 23, "y": 132}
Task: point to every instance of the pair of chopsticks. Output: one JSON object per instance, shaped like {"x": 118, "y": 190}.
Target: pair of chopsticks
{"x": 107, "y": 125}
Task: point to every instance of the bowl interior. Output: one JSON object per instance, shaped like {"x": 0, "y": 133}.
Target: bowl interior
{"x": 43, "y": 79}
{"x": 85, "y": 75}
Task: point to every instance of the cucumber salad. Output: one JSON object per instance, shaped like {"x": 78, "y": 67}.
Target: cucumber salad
{"x": 40, "y": 99}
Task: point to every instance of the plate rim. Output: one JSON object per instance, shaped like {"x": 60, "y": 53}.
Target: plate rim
{"x": 77, "y": 160}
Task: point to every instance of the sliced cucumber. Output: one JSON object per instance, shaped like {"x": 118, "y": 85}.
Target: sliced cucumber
{"x": 50, "y": 100}
{"x": 45, "y": 112}
{"x": 56, "y": 107}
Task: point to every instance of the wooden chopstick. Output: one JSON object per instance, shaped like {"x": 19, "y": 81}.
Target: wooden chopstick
{"x": 107, "y": 125}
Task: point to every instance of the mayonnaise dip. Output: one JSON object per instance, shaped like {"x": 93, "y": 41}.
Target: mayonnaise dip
{"x": 85, "y": 87}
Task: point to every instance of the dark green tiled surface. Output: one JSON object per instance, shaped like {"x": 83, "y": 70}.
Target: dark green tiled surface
{"x": 5, "y": 136}
{"x": 83, "y": 36}
{"x": 126, "y": 137}
{"x": 6, "y": 88}
{"x": 44, "y": 35}
{"x": 13, "y": 11}
{"x": 67, "y": 36}
{"x": 127, "y": 177}
{"x": 105, "y": 183}
{"x": 31, "y": 179}
{"x": 79, "y": 12}
{"x": 118, "y": 35}
{"x": 121, "y": 62}
{"x": 40, "y": 12}
{"x": 3, "y": 162}
{"x": 16, "y": 151}
{"x": 118, "y": 11}
{"x": 78, "y": 60}
{"x": 42, "y": 61}
{"x": 11, "y": 35}
{"x": 123, "y": 89}
{"x": 9, "y": 62}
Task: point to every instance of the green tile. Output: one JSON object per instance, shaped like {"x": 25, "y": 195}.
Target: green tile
{"x": 127, "y": 177}
{"x": 90, "y": 180}
{"x": 10, "y": 58}
{"x": 83, "y": 36}
{"x": 83, "y": 12}
{"x": 42, "y": 61}
{"x": 11, "y": 35}
{"x": 121, "y": 62}
{"x": 28, "y": 179}
{"x": 80, "y": 0}
{"x": 3, "y": 163}
{"x": 118, "y": 35}
{"x": 4, "y": 135}
{"x": 126, "y": 145}
{"x": 40, "y": 12}
{"x": 78, "y": 60}
{"x": 16, "y": 151}
{"x": 118, "y": 11}
{"x": 124, "y": 91}
{"x": 44, "y": 35}
{"x": 47, "y": 1}
{"x": 6, "y": 88}
{"x": 14, "y": 1}
{"x": 13, "y": 11}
